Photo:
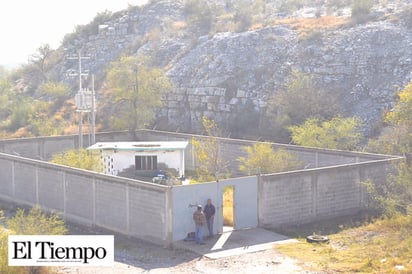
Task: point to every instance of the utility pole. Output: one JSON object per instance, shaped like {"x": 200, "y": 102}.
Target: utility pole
{"x": 80, "y": 110}
{"x": 93, "y": 114}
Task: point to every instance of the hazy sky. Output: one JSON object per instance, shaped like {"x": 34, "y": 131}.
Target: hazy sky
{"x": 27, "y": 24}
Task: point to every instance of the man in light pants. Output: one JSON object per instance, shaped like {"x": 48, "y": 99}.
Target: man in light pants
{"x": 200, "y": 221}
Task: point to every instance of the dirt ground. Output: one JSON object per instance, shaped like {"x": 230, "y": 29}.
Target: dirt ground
{"x": 135, "y": 256}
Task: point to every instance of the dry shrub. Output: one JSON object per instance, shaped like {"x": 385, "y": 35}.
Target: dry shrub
{"x": 306, "y": 25}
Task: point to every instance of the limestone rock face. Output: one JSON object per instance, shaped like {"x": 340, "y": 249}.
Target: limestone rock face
{"x": 228, "y": 76}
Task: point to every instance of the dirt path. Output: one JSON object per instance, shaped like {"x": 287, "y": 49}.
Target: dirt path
{"x": 137, "y": 256}
{"x": 141, "y": 257}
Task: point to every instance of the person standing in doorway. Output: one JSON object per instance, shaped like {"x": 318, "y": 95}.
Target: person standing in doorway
{"x": 210, "y": 211}
{"x": 200, "y": 221}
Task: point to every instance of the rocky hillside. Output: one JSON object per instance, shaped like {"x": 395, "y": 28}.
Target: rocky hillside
{"x": 226, "y": 66}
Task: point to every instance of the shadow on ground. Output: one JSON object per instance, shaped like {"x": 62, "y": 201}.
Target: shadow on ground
{"x": 236, "y": 242}
{"x": 138, "y": 253}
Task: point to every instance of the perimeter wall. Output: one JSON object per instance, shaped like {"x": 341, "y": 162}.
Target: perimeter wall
{"x": 299, "y": 197}
{"x": 130, "y": 207}
{"x": 329, "y": 187}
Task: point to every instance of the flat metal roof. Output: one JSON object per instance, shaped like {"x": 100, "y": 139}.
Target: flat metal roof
{"x": 139, "y": 146}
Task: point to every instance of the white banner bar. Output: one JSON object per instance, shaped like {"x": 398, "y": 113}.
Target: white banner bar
{"x": 61, "y": 250}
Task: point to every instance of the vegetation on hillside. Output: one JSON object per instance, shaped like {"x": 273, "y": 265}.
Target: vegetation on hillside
{"x": 137, "y": 92}
{"x": 38, "y": 100}
{"x": 361, "y": 9}
{"x": 383, "y": 244}
{"x": 298, "y": 101}
{"x": 396, "y": 194}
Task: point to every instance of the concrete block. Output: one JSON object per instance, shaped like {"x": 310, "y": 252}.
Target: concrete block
{"x": 79, "y": 195}
{"x": 51, "y": 188}
{"x": 6, "y": 178}
{"x": 111, "y": 203}
{"x": 25, "y": 182}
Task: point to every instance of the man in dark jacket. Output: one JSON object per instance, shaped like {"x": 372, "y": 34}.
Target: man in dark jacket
{"x": 209, "y": 214}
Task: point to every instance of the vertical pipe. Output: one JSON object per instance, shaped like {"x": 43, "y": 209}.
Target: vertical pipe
{"x": 93, "y": 114}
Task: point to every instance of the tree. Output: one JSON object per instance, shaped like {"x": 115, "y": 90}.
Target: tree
{"x": 79, "y": 158}
{"x": 200, "y": 16}
{"x": 54, "y": 89}
{"x": 209, "y": 163}
{"x": 395, "y": 194}
{"x": 337, "y": 133}
{"x": 361, "y": 9}
{"x": 246, "y": 13}
{"x": 137, "y": 91}
{"x": 4, "y": 72}
{"x": 299, "y": 100}
{"x": 41, "y": 58}
{"x": 6, "y": 93}
{"x": 262, "y": 159}
{"x": 395, "y": 138}
{"x": 401, "y": 114}
{"x": 21, "y": 110}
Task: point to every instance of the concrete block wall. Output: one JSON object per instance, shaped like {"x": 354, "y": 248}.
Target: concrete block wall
{"x": 160, "y": 213}
{"x": 149, "y": 212}
{"x": 300, "y": 197}
{"x": 42, "y": 148}
{"x": 231, "y": 149}
{"x": 286, "y": 198}
{"x": 338, "y": 192}
{"x": 126, "y": 206}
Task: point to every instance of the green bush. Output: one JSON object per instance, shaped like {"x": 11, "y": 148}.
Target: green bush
{"x": 361, "y": 9}
{"x": 79, "y": 158}
{"x": 291, "y": 5}
{"x": 200, "y": 16}
{"x": 19, "y": 117}
{"x": 35, "y": 222}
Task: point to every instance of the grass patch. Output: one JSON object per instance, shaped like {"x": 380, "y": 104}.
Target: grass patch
{"x": 383, "y": 246}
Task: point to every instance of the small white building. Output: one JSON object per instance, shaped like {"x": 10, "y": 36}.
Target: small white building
{"x": 144, "y": 156}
